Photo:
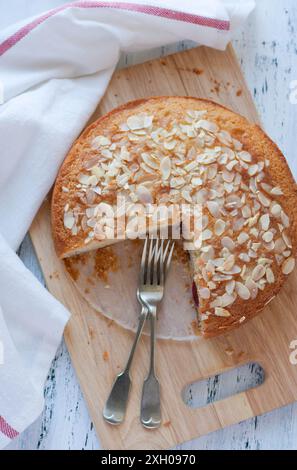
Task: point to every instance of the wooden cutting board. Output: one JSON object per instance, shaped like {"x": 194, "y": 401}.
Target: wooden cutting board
{"x": 98, "y": 348}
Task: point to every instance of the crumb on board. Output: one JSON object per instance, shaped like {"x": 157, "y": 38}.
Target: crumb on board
{"x": 54, "y": 275}
{"x": 167, "y": 424}
{"x": 90, "y": 281}
{"x": 195, "y": 328}
{"x": 229, "y": 351}
{"x": 71, "y": 268}
{"x": 106, "y": 261}
{"x": 198, "y": 71}
{"x": 91, "y": 332}
{"x": 179, "y": 254}
{"x": 72, "y": 264}
{"x": 239, "y": 92}
{"x": 87, "y": 290}
{"x": 105, "y": 356}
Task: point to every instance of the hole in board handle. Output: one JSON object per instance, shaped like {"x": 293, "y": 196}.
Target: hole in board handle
{"x": 227, "y": 384}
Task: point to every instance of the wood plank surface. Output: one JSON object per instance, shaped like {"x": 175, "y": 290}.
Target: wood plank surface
{"x": 205, "y": 73}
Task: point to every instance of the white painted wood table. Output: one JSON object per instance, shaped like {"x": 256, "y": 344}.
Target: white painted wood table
{"x": 267, "y": 50}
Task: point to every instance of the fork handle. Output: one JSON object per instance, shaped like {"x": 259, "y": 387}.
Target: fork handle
{"x": 150, "y": 411}
{"x": 116, "y": 404}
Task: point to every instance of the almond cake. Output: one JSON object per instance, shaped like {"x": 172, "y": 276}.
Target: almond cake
{"x": 174, "y": 150}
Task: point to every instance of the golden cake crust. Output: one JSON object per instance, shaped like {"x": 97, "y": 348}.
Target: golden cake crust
{"x": 254, "y": 141}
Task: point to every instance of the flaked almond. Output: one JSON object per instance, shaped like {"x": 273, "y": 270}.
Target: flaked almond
{"x": 227, "y": 242}
{"x": 219, "y": 227}
{"x": 204, "y": 293}
{"x": 242, "y": 291}
{"x": 144, "y": 195}
{"x": 265, "y": 222}
{"x": 68, "y": 220}
{"x": 258, "y": 272}
{"x": 285, "y": 219}
{"x": 100, "y": 141}
{"x": 287, "y": 239}
{"x": 169, "y": 145}
{"x": 207, "y": 234}
{"x": 246, "y": 212}
{"x": 267, "y": 237}
{"x": 277, "y": 192}
{"x": 265, "y": 201}
{"x": 276, "y": 210}
{"x": 222, "y": 312}
{"x": 165, "y": 167}
{"x": 230, "y": 286}
{"x": 253, "y": 170}
{"x": 207, "y": 125}
{"x": 242, "y": 238}
{"x": 245, "y": 156}
{"x": 288, "y": 266}
{"x": 227, "y": 300}
{"x": 270, "y": 276}
{"x": 213, "y": 208}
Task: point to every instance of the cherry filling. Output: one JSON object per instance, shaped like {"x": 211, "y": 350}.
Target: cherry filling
{"x": 195, "y": 294}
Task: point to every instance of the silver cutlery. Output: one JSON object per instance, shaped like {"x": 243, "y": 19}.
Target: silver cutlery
{"x": 151, "y": 291}
{"x": 154, "y": 265}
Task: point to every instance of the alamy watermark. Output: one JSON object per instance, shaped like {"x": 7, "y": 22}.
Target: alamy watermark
{"x": 1, "y": 92}
{"x": 128, "y": 220}
{"x": 1, "y": 353}
{"x": 293, "y": 355}
{"x": 293, "y": 92}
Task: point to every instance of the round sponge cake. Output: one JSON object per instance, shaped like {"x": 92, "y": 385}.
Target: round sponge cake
{"x": 181, "y": 150}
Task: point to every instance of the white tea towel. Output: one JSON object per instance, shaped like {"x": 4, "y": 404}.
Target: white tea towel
{"x": 54, "y": 68}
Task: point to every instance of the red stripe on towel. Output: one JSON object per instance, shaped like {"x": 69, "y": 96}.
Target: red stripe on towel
{"x": 6, "y": 429}
{"x": 222, "y": 25}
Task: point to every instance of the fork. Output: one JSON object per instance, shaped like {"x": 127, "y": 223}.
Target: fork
{"x": 116, "y": 404}
{"x": 151, "y": 291}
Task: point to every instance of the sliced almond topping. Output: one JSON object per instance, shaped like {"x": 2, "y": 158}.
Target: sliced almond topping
{"x": 68, "y": 220}
{"x": 246, "y": 212}
{"x": 270, "y": 276}
{"x": 227, "y": 300}
{"x": 285, "y": 219}
{"x": 242, "y": 291}
{"x": 267, "y": 237}
{"x": 227, "y": 242}
{"x": 222, "y": 312}
{"x": 265, "y": 222}
{"x": 242, "y": 238}
{"x": 204, "y": 293}
{"x": 253, "y": 170}
{"x": 219, "y": 227}
{"x": 277, "y": 192}
{"x": 207, "y": 125}
{"x": 245, "y": 156}
{"x": 143, "y": 194}
{"x": 288, "y": 266}
{"x": 207, "y": 234}
{"x": 213, "y": 208}
{"x": 230, "y": 286}
{"x": 287, "y": 239}
{"x": 276, "y": 210}
{"x": 165, "y": 168}
{"x": 263, "y": 199}
{"x": 100, "y": 141}
{"x": 258, "y": 272}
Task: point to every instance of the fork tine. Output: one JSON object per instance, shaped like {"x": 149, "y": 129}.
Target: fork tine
{"x": 143, "y": 270}
{"x": 155, "y": 263}
{"x": 150, "y": 262}
{"x": 162, "y": 258}
{"x": 169, "y": 258}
